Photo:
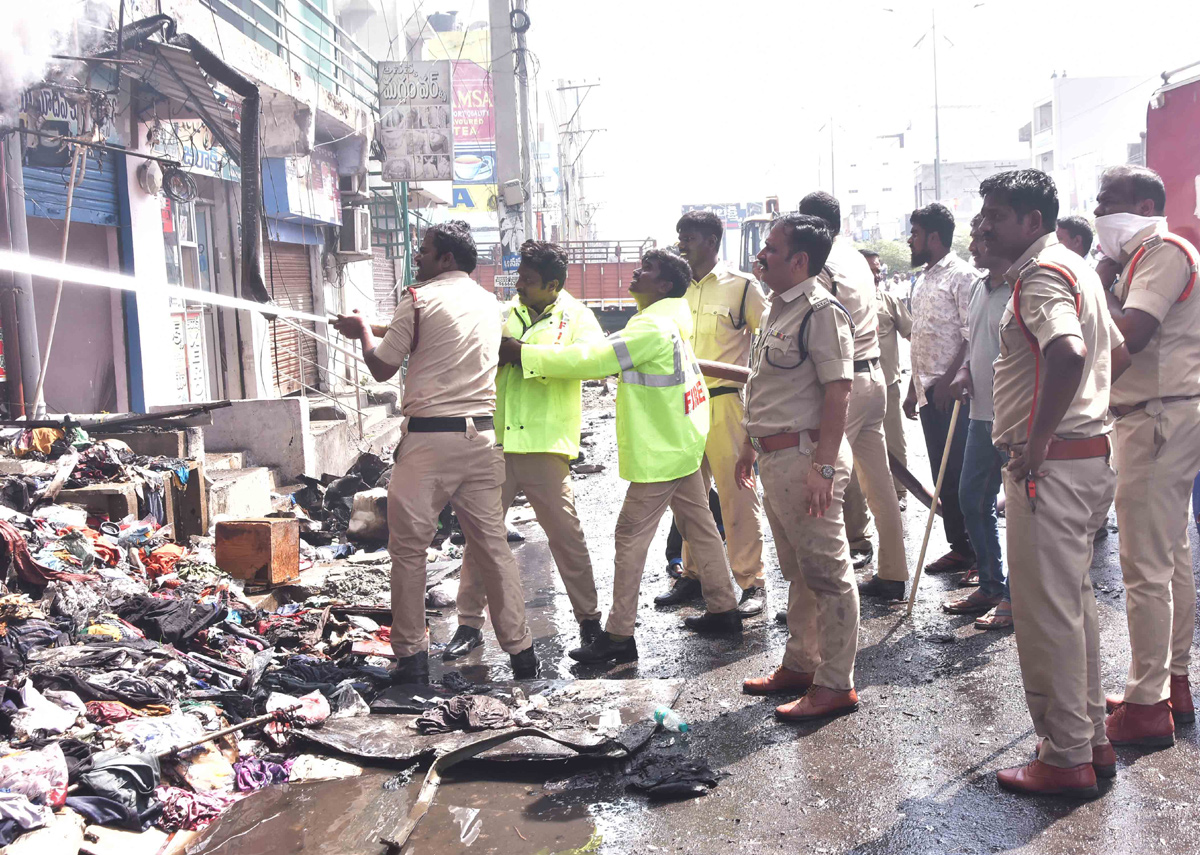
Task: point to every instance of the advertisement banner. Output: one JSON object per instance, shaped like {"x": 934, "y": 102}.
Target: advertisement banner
{"x": 191, "y": 143}
{"x": 731, "y": 213}
{"x": 474, "y": 125}
{"x": 476, "y": 198}
{"x": 415, "y": 120}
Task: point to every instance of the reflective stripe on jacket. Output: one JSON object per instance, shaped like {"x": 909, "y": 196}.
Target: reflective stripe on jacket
{"x": 662, "y": 401}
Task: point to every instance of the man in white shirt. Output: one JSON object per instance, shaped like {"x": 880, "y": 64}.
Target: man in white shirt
{"x": 940, "y": 302}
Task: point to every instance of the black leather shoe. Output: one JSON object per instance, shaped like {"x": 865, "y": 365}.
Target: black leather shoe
{"x": 881, "y": 589}
{"x": 727, "y": 623}
{"x": 753, "y": 601}
{"x": 466, "y": 639}
{"x": 589, "y": 631}
{"x": 683, "y": 591}
{"x": 411, "y": 669}
{"x": 861, "y": 558}
{"x": 604, "y": 649}
{"x": 781, "y": 617}
{"x": 524, "y": 664}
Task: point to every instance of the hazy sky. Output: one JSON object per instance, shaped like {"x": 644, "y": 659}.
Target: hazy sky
{"x": 707, "y": 101}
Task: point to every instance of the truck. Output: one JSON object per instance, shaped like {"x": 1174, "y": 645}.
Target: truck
{"x": 1173, "y": 147}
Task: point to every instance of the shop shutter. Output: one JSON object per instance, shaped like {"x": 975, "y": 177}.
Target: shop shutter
{"x": 95, "y": 199}
{"x": 289, "y": 281}
{"x": 385, "y": 284}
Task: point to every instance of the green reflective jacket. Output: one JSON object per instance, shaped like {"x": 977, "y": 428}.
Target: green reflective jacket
{"x": 662, "y": 401}
{"x": 543, "y": 414}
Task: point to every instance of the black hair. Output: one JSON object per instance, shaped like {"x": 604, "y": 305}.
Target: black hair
{"x": 1078, "y": 227}
{"x": 706, "y": 223}
{"x": 454, "y": 237}
{"x": 808, "y": 233}
{"x": 869, "y": 253}
{"x": 821, "y": 204}
{"x": 1143, "y": 184}
{"x": 1025, "y": 190}
{"x": 673, "y": 268}
{"x": 935, "y": 218}
{"x": 976, "y": 221}
{"x": 548, "y": 259}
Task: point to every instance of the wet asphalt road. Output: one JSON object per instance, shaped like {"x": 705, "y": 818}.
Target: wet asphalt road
{"x": 912, "y": 771}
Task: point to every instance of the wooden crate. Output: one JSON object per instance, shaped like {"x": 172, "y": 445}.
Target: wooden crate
{"x": 263, "y": 551}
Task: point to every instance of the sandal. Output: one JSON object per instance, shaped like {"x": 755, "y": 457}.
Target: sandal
{"x": 1001, "y": 618}
{"x": 974, "y": 604}
{"x": 951, "y": 562}
{"x": 970, "y": 579}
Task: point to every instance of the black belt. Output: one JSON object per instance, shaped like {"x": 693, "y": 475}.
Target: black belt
{"x": 447, "y": 425}
{"x": 863, "y": 365}
{"x": 723, "y": 390}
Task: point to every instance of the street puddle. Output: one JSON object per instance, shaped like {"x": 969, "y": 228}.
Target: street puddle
{"x": 471, "y": 815}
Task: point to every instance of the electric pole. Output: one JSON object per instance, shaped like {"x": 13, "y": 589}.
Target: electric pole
{"x": 512, "y": 192}
{"x": 937, "y": 128}
{"x": 522, "y": 71}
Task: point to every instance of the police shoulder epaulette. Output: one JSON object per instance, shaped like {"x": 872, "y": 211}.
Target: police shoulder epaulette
{"x": 818, "y": 303}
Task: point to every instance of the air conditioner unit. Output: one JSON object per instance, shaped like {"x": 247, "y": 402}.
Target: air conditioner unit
{"x": 355, "y": 238}
{"x": 353, "y": 188}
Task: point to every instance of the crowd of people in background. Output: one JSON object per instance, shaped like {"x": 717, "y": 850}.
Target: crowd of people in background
{"x": 1060, "y": 383}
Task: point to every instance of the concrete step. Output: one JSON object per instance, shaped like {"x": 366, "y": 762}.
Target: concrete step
{"x": 240, "y": 493}
{"x": 382, "y": 437}
{"x": 224, "y": 460}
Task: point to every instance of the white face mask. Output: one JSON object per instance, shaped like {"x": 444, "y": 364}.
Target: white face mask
{"x": 1113, "y": 231}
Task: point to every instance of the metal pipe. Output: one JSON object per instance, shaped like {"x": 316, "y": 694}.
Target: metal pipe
{"x": 22, "y": 282}
{"x": 38, "y": 403}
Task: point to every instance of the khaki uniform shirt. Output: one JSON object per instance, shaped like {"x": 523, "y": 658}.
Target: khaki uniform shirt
{"x": 452, "y": 370}
{"x": 895, "y": 320}
{"x": 1048, "y": 310}
{"x": 723, "y": 324}
{"x": 848, "y": 277}
{"x": 1169, "y": 365}
{"x": 786, "y": 389}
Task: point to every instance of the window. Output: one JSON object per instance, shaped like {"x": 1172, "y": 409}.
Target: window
{"x": 1043, "y": 117}
{"x": 1046, "y": 161}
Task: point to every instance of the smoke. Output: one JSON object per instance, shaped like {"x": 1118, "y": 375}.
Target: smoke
{"x": 33, "y": 31}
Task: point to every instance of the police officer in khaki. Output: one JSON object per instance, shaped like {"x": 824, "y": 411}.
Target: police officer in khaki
{"x": 847, "y": 276}
{"x": 895, "y": 322}
{"x": 449, "y": 330}
{"x": 1058, "y": 350}
{"x": 726, "y": 308}
{"x": 796, "y": 402}
{"x": 1157, "y": 448}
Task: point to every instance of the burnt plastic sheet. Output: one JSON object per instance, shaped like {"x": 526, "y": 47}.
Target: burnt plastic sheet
{"x": 575, "y": 705}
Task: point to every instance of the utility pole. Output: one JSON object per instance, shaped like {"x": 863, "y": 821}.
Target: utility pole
{"x": 512, "y": 192}
{"x": 522, "y": 71}
{"x": 832, "y": 163}
{"x": 937, "y": 128}
{"x": 19, "y": 316}
{"x": 569, "y": 152}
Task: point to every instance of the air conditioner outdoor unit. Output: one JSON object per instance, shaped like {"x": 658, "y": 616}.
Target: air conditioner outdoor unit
{"x": 353, "y": 187}
{"x": 355, "y": 236}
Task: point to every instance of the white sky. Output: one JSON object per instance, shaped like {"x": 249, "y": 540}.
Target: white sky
{"x": 708, "y": 101}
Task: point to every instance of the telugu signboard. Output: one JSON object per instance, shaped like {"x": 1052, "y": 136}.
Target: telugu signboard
{"x": 731, "y": 213}
{"x": 191, "y": 143}
{"x": 415, "y": 121}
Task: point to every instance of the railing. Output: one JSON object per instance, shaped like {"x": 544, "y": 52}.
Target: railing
{"x": 310, "y": 41}
{"x": 353, "y": 361}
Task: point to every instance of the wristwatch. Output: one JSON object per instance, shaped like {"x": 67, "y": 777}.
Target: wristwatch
{"x": 824, "y": 470}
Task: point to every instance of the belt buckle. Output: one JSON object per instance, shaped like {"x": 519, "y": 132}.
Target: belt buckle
{"x": 756, "y": 445}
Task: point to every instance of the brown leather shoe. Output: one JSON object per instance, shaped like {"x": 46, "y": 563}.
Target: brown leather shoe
{"x": 781, "y": 680}
{"x": 1042, "y": 779}
{"x": 1183, "y": 708}
{"x": 819, "y": 702}
{"x": 1141, "y": 724}
{"x": 1104, "y": 759}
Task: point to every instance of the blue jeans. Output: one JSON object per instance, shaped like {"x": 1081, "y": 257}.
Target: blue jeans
{"x": 977, "y": 489}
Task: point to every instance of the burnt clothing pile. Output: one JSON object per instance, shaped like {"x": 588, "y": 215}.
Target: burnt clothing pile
{"x": 469, "y": 713}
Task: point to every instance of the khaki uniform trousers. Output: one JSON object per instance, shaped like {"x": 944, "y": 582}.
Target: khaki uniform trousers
{"x": 636, "y": 526}
{"x": 546, "y": 482}
{"x": 741, "y": 510}
{"x": 893, "y": 429}
{"x": 814, "y": 557}
{"x": 864, "y": 430}
{"x": 465, "y": 470}
{"x": 1157, "y": 452}
{"x": 1054, "y": 607}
